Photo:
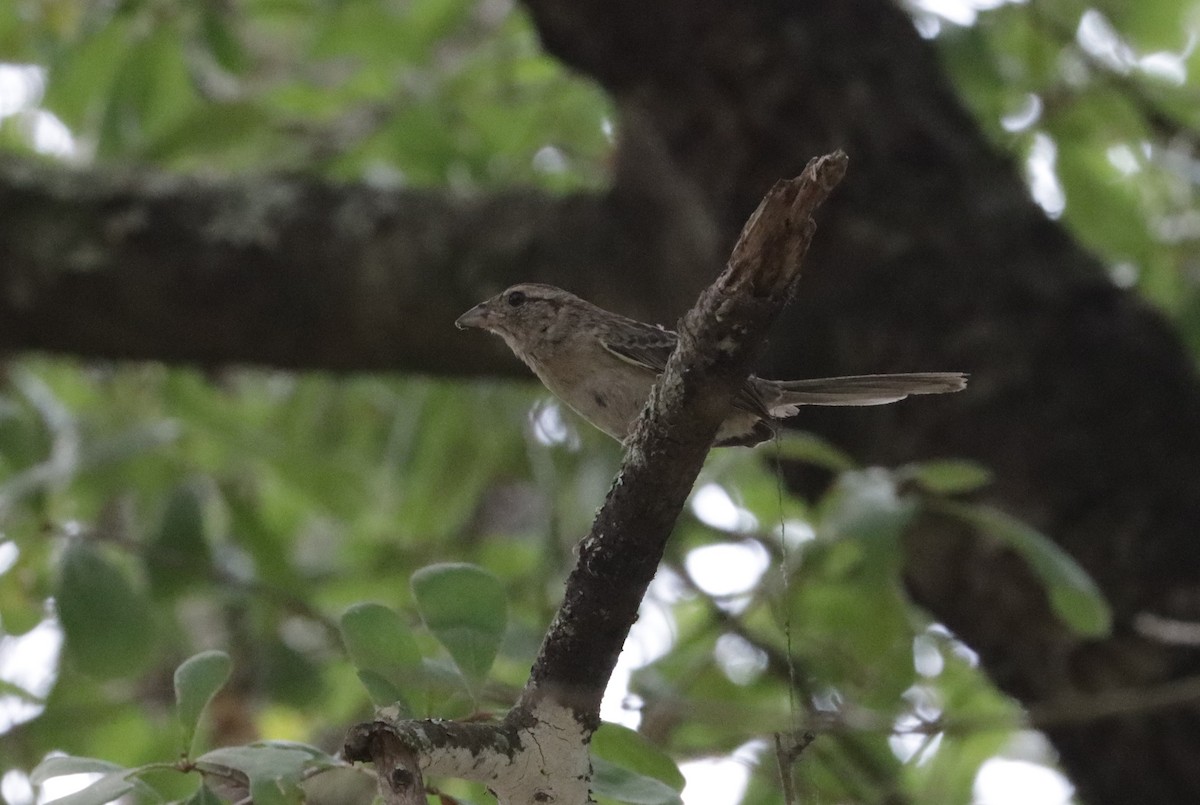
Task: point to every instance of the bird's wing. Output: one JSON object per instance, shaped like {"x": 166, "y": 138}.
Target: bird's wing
{"x": 649, "y": 347}
{"x": 640, "y": 344}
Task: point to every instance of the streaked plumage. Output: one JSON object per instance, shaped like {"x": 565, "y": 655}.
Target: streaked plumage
{"x": 603, "y": 365}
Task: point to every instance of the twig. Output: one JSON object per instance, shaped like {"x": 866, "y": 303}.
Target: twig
{"x": 788, "y": 748}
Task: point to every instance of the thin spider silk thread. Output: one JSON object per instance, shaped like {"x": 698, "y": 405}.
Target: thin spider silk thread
{"x": 785, "y": 574}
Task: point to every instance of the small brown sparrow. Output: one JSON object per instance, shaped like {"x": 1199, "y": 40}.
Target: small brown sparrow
{"x": 603, "y": 365}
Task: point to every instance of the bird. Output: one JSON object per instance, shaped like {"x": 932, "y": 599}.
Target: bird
{"x": 602, "y": 365}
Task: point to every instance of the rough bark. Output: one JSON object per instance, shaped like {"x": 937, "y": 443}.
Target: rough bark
{"x": 300, "y": 273}
{"x": 932, "y": 256}
{"x": 278, "y": 271}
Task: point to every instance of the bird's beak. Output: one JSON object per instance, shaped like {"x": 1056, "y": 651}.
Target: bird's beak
{"x": 475, "y": 317}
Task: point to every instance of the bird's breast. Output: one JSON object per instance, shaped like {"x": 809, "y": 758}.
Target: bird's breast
{"x": 607, "y": 392}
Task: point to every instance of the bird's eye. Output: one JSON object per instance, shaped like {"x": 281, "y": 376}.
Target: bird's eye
{"x": 516, "y": 298}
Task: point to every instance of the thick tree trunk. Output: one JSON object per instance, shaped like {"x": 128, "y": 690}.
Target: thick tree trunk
{"x": 934, "y": 257}
{"x": 931, "y": 256}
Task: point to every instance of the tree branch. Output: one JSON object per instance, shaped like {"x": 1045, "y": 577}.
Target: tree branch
{"x": 719, "y": 340}
{"x": 301, "y": 273}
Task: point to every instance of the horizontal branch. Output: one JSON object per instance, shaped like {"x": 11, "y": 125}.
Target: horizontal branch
{"x": 465, "y": 750}
{"x": 295, "y": 272}
{"x": 535, "y": 756}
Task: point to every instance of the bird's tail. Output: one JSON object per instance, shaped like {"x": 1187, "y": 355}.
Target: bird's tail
{"x": 860, "y": 390}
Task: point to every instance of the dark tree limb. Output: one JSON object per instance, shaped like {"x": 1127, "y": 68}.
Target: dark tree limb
{"x": 539, "y": 752}
{"x": 293, "y": 272}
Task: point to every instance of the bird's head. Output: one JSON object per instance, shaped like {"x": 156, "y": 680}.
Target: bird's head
{"x": 522, "y": 315}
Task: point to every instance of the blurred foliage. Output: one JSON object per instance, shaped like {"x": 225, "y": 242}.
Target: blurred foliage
{"x": 273, "y": 527}
{"x": 1107, "y": 92}
{"x": 390, "y": 91}
{"x": 276, "y": 502}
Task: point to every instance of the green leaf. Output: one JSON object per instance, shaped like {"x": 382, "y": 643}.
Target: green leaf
{"x": 219, "y": 34}
{"x": 224, "y": 131}
{"x": 812, "y": 449}
{"x": 623, "y": 785}
{"x": 197, "y": 680}
{"x": 848, "y": 601}
{"x": 22, "y": 606}
{"x": 114, "y": 783}
{"x": 383, "y": 693}
{"x": 177, "y": 556}
{"x": 630, "y": 750}
{"x": 379, "y": 641}
{"x": 383, "y": 650}
{"x": 108, "y": 623}
{"x": 1150, "y": 25}
{"x": 949, "y": 477}
{"x": 465, "y": 608}
{"x": 62, "y": 766}
{"x": 274, "y": 769}
{"x": 111, "y": 786}
{"x": 79, "y": 84}
{"x": 152, "y": 90}
{"x": 865, "y": 505}
{"x": 1072, "y": 592}
{"x": 1106, "y": 210}
{"x": 294, "y": 677}
{"x": 15, "y": 41}
{"x": 203, "y": 796}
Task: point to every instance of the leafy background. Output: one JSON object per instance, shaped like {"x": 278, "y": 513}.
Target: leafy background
{"x": 150, "y": 513}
